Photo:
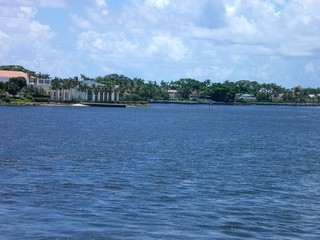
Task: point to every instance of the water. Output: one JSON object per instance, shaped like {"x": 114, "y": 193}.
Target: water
{"x": 160, "y": 172}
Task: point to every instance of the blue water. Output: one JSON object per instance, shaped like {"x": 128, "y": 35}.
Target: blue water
{"x": 160, "y": 172}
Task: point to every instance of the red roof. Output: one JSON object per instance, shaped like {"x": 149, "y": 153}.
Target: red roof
{"x": 10, "y": 74}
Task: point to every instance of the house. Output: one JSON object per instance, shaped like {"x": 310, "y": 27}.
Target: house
{"x": 247, "y": 97}
{"x": 314, "y": 96}
{"x": 173, "y": 94}
{"x": 41, "y": 83}
{"x": 5, "y": 75}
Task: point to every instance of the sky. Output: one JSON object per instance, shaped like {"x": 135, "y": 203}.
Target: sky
{"x": 268, "y": 41}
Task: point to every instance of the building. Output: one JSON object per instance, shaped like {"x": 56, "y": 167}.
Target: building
{"x": 173, "y": 94}
{"x": 247, "y": 97}
{"x": 5, "y": 75}
{"x": 41, "y": 83}
{"x": 88, "y": 93}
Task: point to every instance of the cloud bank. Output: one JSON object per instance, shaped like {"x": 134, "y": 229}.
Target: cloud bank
{"x": 266, "y": 41}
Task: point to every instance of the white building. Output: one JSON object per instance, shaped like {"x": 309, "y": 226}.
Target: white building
{"x": 87, "y": 95}
{"x": 173, "y": 94}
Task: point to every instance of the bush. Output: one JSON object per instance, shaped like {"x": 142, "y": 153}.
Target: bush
{"x": 41, "y": 99}
{"x": 29, "y": 97}
{"x": 134, "y": 98}
{"x": 7, "y": 99}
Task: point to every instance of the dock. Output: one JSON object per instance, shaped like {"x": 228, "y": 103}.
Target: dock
{"x": 114, "y": 105}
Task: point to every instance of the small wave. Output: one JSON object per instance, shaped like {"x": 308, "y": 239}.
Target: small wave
{"x": 112, "y": 186}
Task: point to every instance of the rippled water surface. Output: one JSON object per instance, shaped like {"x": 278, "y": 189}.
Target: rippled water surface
{"x": 160, "y": 172}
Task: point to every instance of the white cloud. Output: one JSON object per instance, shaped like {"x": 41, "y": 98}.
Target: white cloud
{"x": 106, "y": 44}
{"x": 309, "y": 68}
{"x": 3, "y": 35}
{"x": 102, "y": 6}
{"x": 312, "y": 71}
{"x": 25, "y": 40}
{"x": 239, "y": 59}
{"x": 169, "y": 46}
{"x": 38, "y": 30}
{"x": 160, "y": 4}
{"x": 81, "y": 22}
{"x": 28, "y": 12}
{"x": 220, "y": 39}
{"x": 262, "y": 71}
{"x": 36, "y": 3}
{"x": 101, "y": 3}
{"x": 214, "y": 72}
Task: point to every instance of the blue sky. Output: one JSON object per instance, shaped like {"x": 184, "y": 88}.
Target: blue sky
{"x": 259, "y": 40}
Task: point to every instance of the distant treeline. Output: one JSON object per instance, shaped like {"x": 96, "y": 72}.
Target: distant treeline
{"x": 137, "y": 89}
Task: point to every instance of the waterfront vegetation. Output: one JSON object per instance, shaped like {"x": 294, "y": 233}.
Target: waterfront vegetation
{"x": 137, "y": 90}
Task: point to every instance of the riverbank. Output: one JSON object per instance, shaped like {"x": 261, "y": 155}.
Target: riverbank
{"x": 49, "y": 104}
{"x": 307, "y": 104}
{"x": 81, "y": 104}
{"x": 84, "y": 104}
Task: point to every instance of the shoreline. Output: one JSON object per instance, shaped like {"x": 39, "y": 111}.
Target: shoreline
{"x": 80, "y": 104}
{"x": 61, "y": 104}
{"x": 295, "y": 104}
{"x": 49, "y": 104}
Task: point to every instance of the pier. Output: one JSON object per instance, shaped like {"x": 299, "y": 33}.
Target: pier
{"x": 114, "y": 105}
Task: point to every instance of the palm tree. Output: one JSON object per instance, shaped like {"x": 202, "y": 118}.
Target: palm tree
{"x": 96, "y": 89}
{"x": 106, "y": 89}
{"x": 74, "y": 82}
{"x": 83, "y": 88}
{"x": 56, "y": 85}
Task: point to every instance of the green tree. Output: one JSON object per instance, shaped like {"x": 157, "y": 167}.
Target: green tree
{"x": 2, "y": 89}
{"x": 298, "y": 93}
{"x": 288, "y": 95}
{"x": 34, "y": 93}
{"x": 187, "y": 86}
{"x": 71, "y": 84}
{"x": 242, "y": 86}
{"x": 163, "y": 91}
{"x": 221, "y": 92}
{"x": 84, "y": 77}
{"x": 14, "y": 85}
{"x": 42, "y": 75}
{"x": 149, "y": 90}
{"x": 82, "y": 87}
{"x": 56, "y": 84}
{"x": 96, "y": 89}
